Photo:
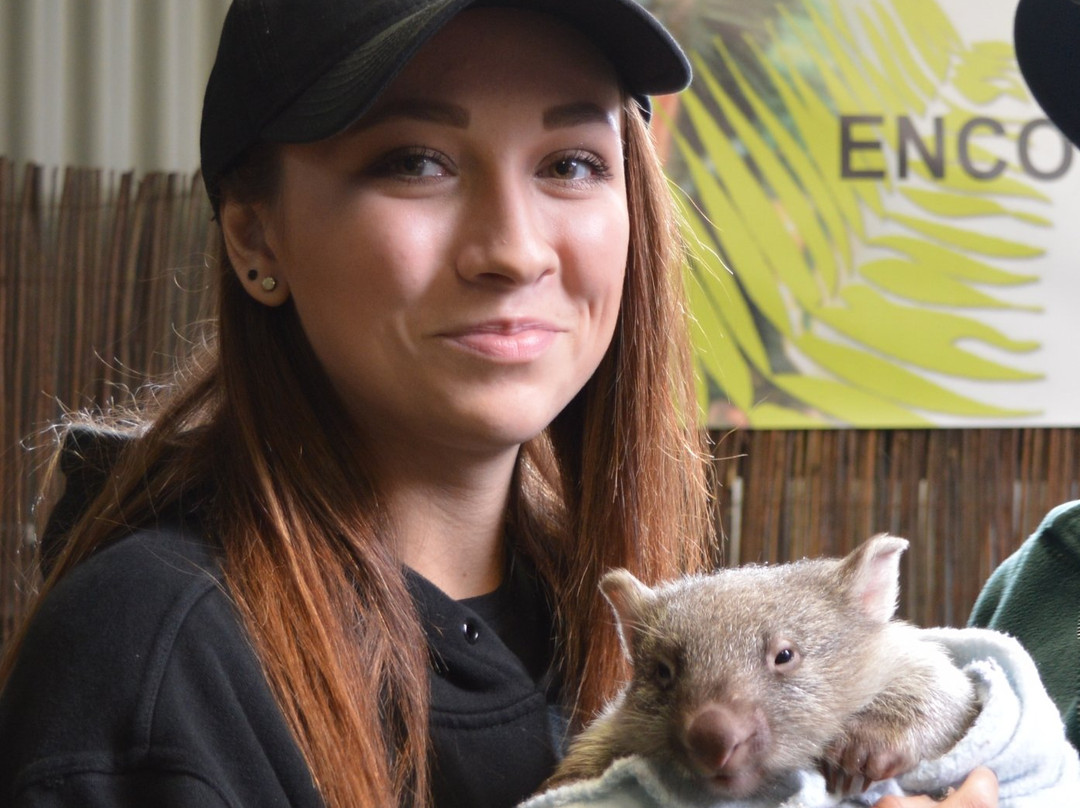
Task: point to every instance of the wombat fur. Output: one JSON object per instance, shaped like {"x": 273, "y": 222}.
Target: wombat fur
{"x": 748, "y": 674}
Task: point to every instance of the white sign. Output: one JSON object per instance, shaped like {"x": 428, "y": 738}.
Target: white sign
{"x": 887, "y": 227}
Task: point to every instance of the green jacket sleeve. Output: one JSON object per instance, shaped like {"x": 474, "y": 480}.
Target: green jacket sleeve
{"x": 1035, "y": 596}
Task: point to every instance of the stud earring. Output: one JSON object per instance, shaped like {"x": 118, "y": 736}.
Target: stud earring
{"x": 268, "y": 284}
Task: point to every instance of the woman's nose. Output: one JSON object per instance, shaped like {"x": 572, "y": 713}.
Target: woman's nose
{"x": 507, "y": 236}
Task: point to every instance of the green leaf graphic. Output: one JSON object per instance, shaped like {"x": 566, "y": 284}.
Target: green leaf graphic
{"x": 823, "y": 299}
{"x": 924, "y": 283}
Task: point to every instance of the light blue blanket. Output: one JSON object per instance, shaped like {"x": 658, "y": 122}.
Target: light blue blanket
{"x": 1018, "y": 734}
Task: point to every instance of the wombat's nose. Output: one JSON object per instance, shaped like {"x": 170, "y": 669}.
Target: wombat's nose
{"x": 722, "y": 737}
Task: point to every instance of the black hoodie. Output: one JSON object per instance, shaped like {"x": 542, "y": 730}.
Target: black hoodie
{"x": 137, "y": 684}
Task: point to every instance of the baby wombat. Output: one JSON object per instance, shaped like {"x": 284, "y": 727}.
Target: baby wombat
{"x": 746, "y": 675}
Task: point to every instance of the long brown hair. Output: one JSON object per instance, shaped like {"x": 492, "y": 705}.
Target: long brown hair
{"x": 254, "y": 431}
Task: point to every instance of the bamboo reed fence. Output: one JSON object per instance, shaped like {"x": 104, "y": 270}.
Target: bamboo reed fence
{"x": 102, "y": 275}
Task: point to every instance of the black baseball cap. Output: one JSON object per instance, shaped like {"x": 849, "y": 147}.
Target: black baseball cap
{"x": 1047, "y": 38}
{"x": 294, "y": 71}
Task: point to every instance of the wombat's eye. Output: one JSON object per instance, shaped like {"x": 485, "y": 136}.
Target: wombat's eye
{"x": 784, "y": 657}
{"x": 664, "y": 673}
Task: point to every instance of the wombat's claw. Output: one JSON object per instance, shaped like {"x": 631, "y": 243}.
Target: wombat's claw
{"x": 842, "y": 783}
{"x": 852, "y": 764}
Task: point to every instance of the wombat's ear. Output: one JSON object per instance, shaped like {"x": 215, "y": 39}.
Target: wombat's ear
{"x": 628, "y": 597}
{"x": 872, "y": 575}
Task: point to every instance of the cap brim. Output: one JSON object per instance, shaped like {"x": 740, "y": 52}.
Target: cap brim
{"x": 1047, "y": 38}
{"x": 647, "y": 59}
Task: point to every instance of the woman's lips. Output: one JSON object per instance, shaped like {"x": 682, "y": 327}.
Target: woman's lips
{"x": 517, "y": 341}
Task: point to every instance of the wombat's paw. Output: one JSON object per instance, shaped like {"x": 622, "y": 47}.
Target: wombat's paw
{"x": 860, "y": 757}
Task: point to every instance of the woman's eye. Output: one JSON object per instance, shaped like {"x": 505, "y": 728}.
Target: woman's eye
{"x": 578, "y": 168}
{"x": 418, "y": 165}
{"x": 413, "y": 165}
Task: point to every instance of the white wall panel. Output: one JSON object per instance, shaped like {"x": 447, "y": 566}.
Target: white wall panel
{"x": 105, "y": 83}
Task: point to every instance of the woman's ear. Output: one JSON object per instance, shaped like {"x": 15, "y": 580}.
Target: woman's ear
{"x": 248, "y": 241}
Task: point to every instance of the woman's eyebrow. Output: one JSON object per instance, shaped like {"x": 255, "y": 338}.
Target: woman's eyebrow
{"x": 420, "y": 109}
{"x": 577, "y": 113}
{"x": 561, "y": 116}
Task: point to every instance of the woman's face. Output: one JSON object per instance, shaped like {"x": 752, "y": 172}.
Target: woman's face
{"x": 457, "y": 257}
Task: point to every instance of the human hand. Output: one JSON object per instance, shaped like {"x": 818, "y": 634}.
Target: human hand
{"x": 980, "y": 790}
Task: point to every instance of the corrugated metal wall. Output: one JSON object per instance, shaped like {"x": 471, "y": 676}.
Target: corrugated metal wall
{"x": 113, "y": 84}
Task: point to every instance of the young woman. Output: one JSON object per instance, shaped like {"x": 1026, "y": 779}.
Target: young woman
{"x": 350, "y": 556}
